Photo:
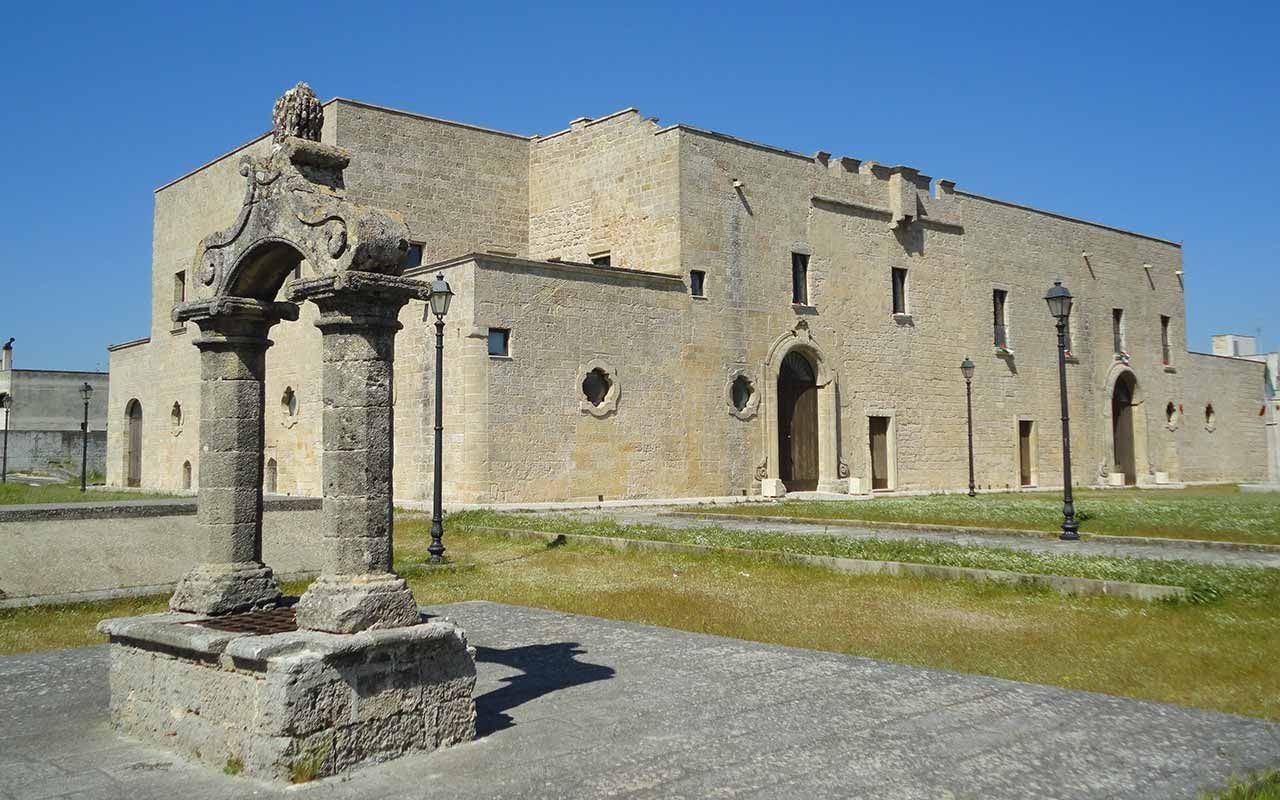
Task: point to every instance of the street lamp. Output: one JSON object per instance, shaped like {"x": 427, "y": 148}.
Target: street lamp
{"x": 86, "y": 392}
{"x": 441, "y": 294}
{"x": 6, "y": 402}
{"x": 966, "y": 369}
{"x": 1059, "y": 300}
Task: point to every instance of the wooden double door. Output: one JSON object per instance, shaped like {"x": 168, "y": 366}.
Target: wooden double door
{"x": 797, "y": 424}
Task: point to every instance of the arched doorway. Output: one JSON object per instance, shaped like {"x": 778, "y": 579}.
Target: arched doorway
{"x": 133, "y": 450}
{"x": 797, "y": 423}
{"x": 1125, "y": 458}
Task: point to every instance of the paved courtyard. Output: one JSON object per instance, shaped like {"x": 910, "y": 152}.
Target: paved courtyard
{"x": 578, "y": 707}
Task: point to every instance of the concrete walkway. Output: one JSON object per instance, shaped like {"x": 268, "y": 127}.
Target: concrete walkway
{"x": 577, "y": 707}
{"x": 1032, "y": 543}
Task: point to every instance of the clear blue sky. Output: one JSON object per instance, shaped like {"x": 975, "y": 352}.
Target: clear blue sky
{"x": 1158, "y": 117}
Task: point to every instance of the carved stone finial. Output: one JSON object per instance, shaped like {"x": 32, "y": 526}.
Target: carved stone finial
{"x": 297, "y": 113}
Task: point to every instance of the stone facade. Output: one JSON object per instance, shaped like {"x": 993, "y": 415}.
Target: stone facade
{"x": 513, "y": 222}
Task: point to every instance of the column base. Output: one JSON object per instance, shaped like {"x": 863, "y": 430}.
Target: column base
{"x": 351, "y": 603}
{"x": 772, "y": 487}
{"x": 226, "y": 589}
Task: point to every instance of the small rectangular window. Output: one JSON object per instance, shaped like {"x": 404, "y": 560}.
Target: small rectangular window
{"x": 1164, "y": 339}
{"x": 1117, "y": 328}
{"x": 499, "y": 342}
{"x": 999, "y": 297}
{"x": 180, "y": 286}
{"x": 697, "y": 283}
{"x": 800, "y": 279}
{"x": 602, "y": 260}
{"x": 899, "y": 290}
{"x": 413, "y": 258}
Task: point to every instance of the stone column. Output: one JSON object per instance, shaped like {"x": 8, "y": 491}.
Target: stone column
{"x": 357, "y": 588}
{"x": 233, "y": 345}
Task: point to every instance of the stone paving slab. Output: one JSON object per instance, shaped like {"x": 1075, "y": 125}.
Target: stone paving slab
{"x": 578, "y": 707}
{"x": 1174, "y": 550}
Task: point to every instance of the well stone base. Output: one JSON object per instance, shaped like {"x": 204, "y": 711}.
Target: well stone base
{"x": 290, "y": 706}
{"x": 226, "y": 589}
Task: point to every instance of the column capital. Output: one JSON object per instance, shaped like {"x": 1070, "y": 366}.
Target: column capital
{"x": 359, "y": 299}
{"x": 234, "y": 320}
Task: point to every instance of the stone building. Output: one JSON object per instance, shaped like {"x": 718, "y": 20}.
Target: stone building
{"x": 1238, "y": 346}
{"x": 662, "y": 311}
{"x": 45, "y": 416}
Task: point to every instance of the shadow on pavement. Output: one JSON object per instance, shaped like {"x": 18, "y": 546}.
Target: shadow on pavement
{"x": 544, "y": 668}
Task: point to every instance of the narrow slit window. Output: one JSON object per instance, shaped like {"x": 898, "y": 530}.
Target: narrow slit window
{"x": 1066, "y": 339}
{"x": 999, "y": 298}
{"x": 1164, "y": 339}
{"x": 180, "y": 286}
{"x": 602, "y": 260}
{"x": 1117, "y": 329}
{"x": 697, "y": 283}
{"x": 499, "y": 342}
{"x": 800, "y": 279}
{"x": 899, "y": 290}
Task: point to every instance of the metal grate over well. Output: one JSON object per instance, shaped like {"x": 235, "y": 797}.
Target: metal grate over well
{"x": 259, "y": 623}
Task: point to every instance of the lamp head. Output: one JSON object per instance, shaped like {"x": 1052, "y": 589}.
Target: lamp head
{"x": 86, "y": 391}
{"x": 1059, "y": 300}
{"x": 441, "y": 294}
{"x": 966, "y": 368}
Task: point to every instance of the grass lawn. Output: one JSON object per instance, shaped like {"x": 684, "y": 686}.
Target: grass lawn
{"x": 1223, "y": 513}
{"x": 1265, "y": 787}
{"x": 1206, "y": 582}
{"x": 16, "y": 492}
{"x": 1218, "y": 655}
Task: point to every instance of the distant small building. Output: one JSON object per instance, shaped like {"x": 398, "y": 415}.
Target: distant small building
{"x": 45, "y": 416}
{"x": 1238, "y": 346}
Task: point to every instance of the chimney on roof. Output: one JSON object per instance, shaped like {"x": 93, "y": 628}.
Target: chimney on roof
{"x": 6, "y": 359}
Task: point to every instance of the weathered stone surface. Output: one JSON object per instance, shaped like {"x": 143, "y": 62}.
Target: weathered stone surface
{"x": 291, "y": 706}
{"x": 297, "y": 112}
{"x": 356, "y": 600}
{"x": 213, "y": 588}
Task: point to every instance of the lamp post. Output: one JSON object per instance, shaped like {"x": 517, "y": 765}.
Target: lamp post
{"x": 966, "y": 369}
{"x": 6, "y": 402}
{"x": 441, "y": 294}
{"x": 1059, "y": 300}
{"x": 86, "y": 392}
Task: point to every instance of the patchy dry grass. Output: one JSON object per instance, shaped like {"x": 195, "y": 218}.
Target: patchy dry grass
{"x": 1223, "y": 513}
{"x": 1219, "y": 656}
{"x": 15, "y": 492}
{"x": 1206, "y": 582}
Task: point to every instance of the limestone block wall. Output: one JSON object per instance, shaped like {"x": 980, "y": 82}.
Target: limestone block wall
{"x": 1231, "y": 446}
{"x": 609, "y": 184}
{"x": 526, "y": 433}
{"x": 460, "y": 188}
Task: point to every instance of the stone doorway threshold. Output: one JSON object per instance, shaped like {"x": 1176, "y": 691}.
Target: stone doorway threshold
{"x": 578, "y": 707}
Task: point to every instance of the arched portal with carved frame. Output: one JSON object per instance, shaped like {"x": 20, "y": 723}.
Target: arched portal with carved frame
{"x": 799, "y": 343}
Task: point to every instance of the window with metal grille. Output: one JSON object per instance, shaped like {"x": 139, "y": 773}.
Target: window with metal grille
{"x": 1164, "y": 339}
